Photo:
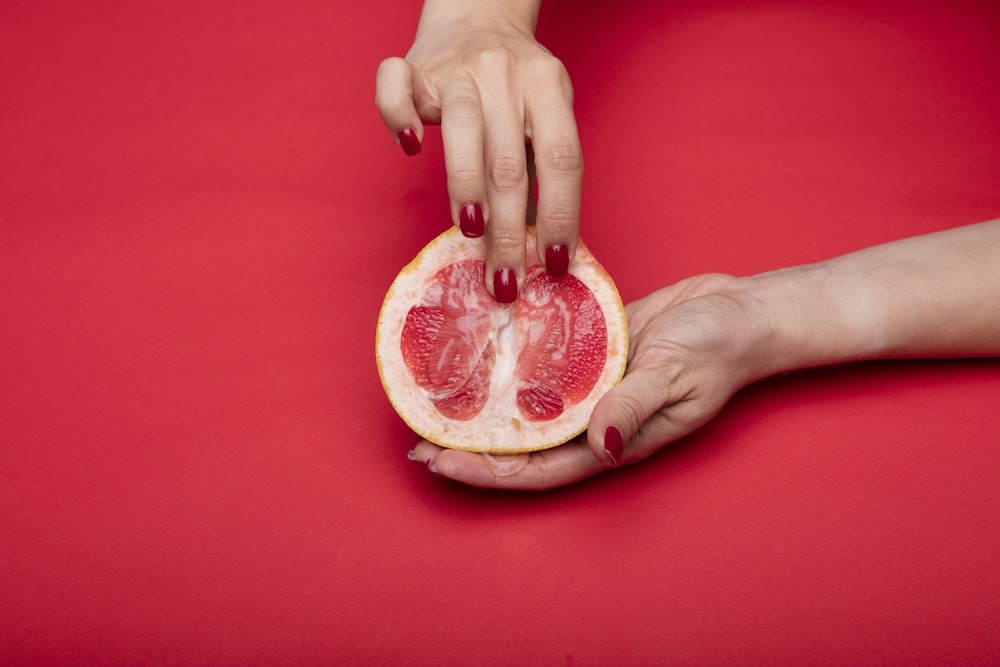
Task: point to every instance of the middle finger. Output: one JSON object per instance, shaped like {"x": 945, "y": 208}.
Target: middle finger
{"x": 506, "y": 191}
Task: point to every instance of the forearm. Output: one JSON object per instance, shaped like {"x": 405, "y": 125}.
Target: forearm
{"x": 926, "y": 296}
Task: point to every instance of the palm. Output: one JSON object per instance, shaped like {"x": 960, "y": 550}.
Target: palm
{"x": 691, "y": 339}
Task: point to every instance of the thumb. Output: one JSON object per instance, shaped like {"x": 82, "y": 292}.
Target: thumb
{"x": 618, "y": 416}
{"x": 394, "y": 83}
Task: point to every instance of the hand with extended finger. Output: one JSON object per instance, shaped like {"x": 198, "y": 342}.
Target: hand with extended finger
{"x": 477, "y": 69}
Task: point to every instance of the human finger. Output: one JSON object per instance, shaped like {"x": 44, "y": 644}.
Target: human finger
{"x": 462, "y": 136}
{"x": 623, "y": 410}
{"x": 536, "y": 471}
{"x": 506, "y": 189}
{"x": 558, "y": 165}
{"x": 394, "y": 99}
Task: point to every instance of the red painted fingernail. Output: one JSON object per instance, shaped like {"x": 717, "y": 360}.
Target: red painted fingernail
{"x": 557, "y": 259}
{"x": 505, "y": 285}
{"x": 408, "y": 140}
{"x": 470, "y": 220}
{"x": 614, "y": 446}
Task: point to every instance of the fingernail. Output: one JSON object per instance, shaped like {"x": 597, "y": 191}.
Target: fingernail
{"x": 408, "y": 140}
{"x": 470, "y": 220}
{"x": 505, "y": 285}
{"x": 412, "y": 455}
{"x": 557, "y": 259}
{"x": 614, "y": 446}
{"x": 431, "y": 467}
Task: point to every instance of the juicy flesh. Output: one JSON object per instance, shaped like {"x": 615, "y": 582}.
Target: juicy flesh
{"x": 465, "y": 349}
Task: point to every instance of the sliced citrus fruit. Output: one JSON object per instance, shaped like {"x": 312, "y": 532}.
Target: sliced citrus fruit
{"x": 467, "y": 372}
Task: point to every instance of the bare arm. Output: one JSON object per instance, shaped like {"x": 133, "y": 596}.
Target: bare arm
{"x": 695, "y": 343}
{"x": 926, "y": 296}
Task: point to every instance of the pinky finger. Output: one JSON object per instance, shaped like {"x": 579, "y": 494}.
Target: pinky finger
{"x": 394, "y": 101}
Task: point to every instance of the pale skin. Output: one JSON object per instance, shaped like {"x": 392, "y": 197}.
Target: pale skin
{"x": 695, "y": 343}
{"x": 476, "y": 68}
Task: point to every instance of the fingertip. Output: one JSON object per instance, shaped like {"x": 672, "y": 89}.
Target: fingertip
{"x": 556, "y": 258}
{"x": 505, "y": 285}
{"x": 471, "y": 220}
{"x": 506, "y": 253}
{"x": 423, "y": 451}
{"x": 409, "y": 141}
{"x": 621, "y": 412}
{"x": 614, "y": 445}
{"x": 607, "y": 445}
{"x": 557, "y": 243}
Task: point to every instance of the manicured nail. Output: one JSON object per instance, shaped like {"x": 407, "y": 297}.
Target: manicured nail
{"x": 505, "y": 285}
{"x": 470, "y": 220}
{"x": 557, "y": 259}
{"x": 408, "y": 140}
{"x": 614, "y": 446}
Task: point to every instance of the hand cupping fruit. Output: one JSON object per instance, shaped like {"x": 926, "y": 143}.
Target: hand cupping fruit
{"x": 467, "y": 372}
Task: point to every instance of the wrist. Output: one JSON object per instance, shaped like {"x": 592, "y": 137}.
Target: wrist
{"x": 520, "y": 14}
{"x": 814, "y": 316}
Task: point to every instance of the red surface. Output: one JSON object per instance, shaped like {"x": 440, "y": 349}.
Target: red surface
{"x": 199, "y": 214}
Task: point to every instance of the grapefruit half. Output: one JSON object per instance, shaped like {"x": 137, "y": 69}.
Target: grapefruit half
{"x": 467, "y": 372}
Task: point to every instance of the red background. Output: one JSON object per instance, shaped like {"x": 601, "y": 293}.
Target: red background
{"x": 200, "y": 212}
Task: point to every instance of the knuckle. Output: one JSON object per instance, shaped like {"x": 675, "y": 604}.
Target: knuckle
{"x": 505, "y": 243}
{"x": 387, "y": 98}
{"x": 498, "y": 59}
{"x": 388, "y": 66}
{"x": 559, "y": 218}
{"x": 461, "y": 109}
{"x": 631, "y": 409}
{"x": 550, "y": 72}
{"x": 390, "y": 82}
{"x": 465, "y": 185}
{"x": 562, "y": 158}
{"x": 465, "y": 175}
{"x": 508, "y": 175}
{"x": 543, "y": 474}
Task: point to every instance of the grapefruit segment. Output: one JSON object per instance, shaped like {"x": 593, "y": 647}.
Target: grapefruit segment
{"x": 467, "y": 372}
